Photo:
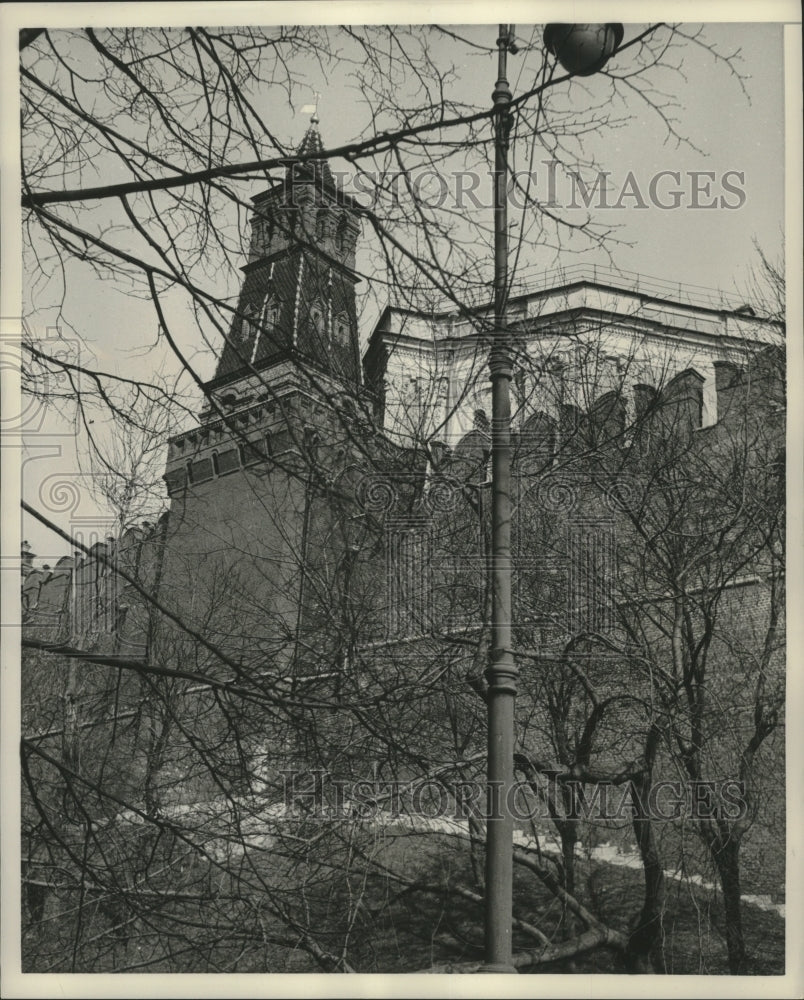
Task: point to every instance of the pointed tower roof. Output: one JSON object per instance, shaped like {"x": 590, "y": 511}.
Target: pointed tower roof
{"x": 310, "y": 146}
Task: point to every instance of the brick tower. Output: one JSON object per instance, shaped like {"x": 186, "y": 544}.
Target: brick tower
{"x": 252, "y": 517}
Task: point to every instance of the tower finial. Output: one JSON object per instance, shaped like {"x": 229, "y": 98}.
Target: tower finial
{"x": 312, "y": 109}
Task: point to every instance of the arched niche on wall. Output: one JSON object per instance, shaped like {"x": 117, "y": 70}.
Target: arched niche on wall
{"x": 536, "y": 444}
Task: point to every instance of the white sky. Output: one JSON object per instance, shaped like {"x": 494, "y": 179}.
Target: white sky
{"x": 729, "y": 130}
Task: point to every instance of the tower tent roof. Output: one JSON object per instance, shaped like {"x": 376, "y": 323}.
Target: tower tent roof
{"x": 311, "y": 145}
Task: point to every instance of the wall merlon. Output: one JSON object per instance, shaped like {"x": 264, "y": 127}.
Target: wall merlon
{"x": 83, "y": 600}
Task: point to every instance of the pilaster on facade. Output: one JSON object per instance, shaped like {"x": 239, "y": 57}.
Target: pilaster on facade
{"x": 592, "y": 337}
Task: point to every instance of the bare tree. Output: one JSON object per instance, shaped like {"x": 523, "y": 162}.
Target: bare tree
{"x": 180, "y": 827}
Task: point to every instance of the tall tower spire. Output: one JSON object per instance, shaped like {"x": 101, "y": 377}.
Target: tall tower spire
{"x": 298, "y": 294}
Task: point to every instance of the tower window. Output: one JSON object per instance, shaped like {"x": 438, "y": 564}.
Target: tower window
{"x": 247, "y": 326}
{"x": 270, "y": 313}
{"x": 321, "y": 225}
{"x": 258, "y": 236}
{"x": 317, "y": 317}
{"x": 340, "y": 235}
{"x": 263, "y": 234}
{"x": 342, "y": 329}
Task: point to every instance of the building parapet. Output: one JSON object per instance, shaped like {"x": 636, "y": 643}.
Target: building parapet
{"x": 671, "y": 304}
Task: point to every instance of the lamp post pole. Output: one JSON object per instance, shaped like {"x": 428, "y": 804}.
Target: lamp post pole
{"x": 581, "y": 49}
{"x": 501, "y": 672}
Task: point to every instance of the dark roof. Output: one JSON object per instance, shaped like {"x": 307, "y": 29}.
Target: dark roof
{"x": 310, "y": 146}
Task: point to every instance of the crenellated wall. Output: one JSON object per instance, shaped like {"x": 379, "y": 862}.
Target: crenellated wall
{"x": 85, "y": 602}
{"x": 246, "y": 535}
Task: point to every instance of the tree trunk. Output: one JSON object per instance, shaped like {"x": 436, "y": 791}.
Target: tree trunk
{"x": 569, "y": 838}
{"x": 641, "y": 955}
{"x": 726, "y": 855}
{"x": 568, "y": 832}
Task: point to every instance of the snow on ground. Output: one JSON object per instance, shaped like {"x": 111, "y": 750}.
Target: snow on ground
{"x": 260, "y": 826}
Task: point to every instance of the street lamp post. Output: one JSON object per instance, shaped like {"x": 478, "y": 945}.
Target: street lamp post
{"x": 501, "y": 673}
{"x": 582, "y": 49}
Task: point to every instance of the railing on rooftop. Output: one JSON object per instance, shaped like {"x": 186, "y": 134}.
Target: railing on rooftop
{"x": 530, "y": 280}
